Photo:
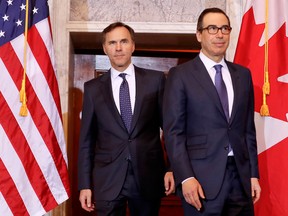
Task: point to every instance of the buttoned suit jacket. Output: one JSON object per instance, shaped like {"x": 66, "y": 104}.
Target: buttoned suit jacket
{"x": 197, "y": 133}
{"x": 105, "y": 144}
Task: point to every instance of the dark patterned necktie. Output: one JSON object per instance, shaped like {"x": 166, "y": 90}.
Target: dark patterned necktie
{"x": 125, "y": 104}
{"x": 221, "y": 89}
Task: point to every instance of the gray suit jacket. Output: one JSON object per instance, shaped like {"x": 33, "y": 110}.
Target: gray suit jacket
{"x": 196, "y": 130}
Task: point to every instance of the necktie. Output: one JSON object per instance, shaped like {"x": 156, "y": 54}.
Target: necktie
{"x": 222, "y": 92}
{"x": 125, "y": 104}
{"x": 221, "y": 89}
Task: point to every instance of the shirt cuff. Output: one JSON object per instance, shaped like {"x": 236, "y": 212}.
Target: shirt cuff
{"x": 186, "y": 180}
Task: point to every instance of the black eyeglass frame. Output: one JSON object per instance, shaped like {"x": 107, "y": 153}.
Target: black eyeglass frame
{"x": 223, "y": 28}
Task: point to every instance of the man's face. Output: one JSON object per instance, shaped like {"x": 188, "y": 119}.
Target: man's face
{"x": 119, "y": 47}
{"x": 214, "y": 46}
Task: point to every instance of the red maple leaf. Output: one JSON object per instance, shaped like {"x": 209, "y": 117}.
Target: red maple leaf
{"x": 251, "y": 55}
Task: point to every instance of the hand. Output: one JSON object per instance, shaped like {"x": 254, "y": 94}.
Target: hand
{"x": 255, "y": 189}
{"x": 192, "y": 192}
{"x": 169, "y": 183}
{"x": 85, "y": 198}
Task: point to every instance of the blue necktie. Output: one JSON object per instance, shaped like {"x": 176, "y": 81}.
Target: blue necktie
{"x": 125, "y": 104}
{"x": 222, "y": 92}
{"x": 221, "y": 89}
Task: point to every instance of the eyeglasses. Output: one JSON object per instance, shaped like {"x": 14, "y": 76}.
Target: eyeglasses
{"x": 213, "y": 29}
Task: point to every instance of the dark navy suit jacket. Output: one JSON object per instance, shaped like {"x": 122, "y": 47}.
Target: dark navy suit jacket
{"x": 105, "y": 144}
{"x": 196, "y": 130}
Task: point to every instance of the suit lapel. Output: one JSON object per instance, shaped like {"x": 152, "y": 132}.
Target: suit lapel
{"x": 140, "y": 92}
{"x": 202, "y": 75}
{"x": 236, "y": 88}
{"x": 106, "y": 89}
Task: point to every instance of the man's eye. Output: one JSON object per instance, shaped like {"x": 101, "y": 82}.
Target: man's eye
{"x": 213, "y": 27}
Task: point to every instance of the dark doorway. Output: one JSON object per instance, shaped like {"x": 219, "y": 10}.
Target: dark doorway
{"x": 156, "y": 51}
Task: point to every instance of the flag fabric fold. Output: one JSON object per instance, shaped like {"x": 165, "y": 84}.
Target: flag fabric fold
{"x": 272, "y": 130}
{"x": 33, "y": 159}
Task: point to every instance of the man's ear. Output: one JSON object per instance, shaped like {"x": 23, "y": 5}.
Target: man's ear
{"x": 103, "y": 47}
{"x": 133, "y": 47}
{"x": 199, "y": 36}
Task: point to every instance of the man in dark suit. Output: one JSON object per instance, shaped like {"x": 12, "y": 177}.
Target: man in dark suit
{"x": 210, "y": 137}
{"x": 120, "y": 154}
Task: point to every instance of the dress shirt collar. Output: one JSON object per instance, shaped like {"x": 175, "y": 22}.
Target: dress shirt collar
{"x": 210, "y": 63}
{"x": 129, "y": 71}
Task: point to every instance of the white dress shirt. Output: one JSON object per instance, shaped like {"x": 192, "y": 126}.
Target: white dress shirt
{"x": 209, "y": 64}
{"x": 116, "y": 81}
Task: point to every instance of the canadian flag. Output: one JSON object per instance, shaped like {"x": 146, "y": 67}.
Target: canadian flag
{"x": 263, "y": 48}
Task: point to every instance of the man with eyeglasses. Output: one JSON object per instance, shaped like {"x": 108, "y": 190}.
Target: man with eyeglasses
{"x": 209, "y": 126}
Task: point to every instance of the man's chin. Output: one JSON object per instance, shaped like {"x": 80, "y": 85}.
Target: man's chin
{"x": 121, "y": 67}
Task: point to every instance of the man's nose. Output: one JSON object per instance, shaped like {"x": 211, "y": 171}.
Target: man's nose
{"x": 219, "y": 33}
{"x": 118, "y": 46}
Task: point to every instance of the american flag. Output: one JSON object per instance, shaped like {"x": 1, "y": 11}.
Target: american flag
{"x": 33, "y": 160}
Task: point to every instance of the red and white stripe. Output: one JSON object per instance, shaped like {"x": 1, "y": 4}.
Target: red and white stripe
{"x": 33, "y": 159}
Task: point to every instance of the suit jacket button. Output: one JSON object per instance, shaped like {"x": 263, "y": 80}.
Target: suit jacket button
{"x": 226, "y": 148}
{"x": 129, "y": 140}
